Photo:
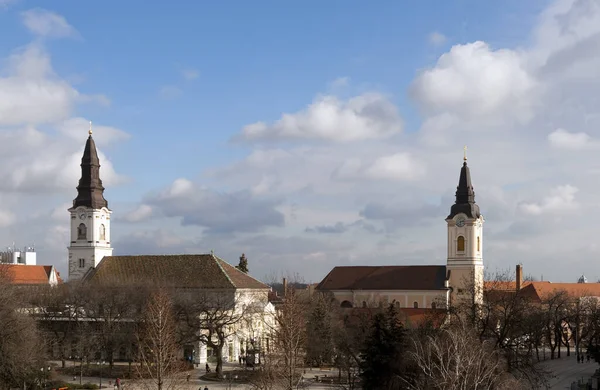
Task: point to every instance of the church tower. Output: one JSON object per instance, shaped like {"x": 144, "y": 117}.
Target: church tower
{"x": 90, "y": 217}
{"x": 465, "y": 241}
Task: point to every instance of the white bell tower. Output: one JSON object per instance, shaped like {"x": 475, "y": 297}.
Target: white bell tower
{"x": 465, "y": 242}
{"x": 90, "y": 217}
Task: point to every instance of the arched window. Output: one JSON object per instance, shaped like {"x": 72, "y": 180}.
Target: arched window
{"x": 346, "y": 304}
{"x": 364, "y": 304}
{"x": 397, "y": 304}
{"x": 102, "y": 232}
{"x": 82, "y": 232}
{"x": 478, "y": 244}
{"x": 416, "y": 304}
{"x": 460, "y": 244}
{"x": 433, "y": 305}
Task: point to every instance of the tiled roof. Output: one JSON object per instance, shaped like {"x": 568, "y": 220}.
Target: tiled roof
{"x": 540, "y": 290}
{"x": 204, "y": 271}
{"x": 28, "y": 274}
{"x": 507, "y": 285}
{"x": 412, "y": 277}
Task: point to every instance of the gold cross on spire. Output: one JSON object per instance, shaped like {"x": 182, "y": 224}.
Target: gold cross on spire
{"x": 90, "y": 131}
{"x": 465, "y": 151}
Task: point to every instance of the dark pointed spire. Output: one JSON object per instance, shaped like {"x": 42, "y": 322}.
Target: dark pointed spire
{"x": 90, "y": 192}
{"x": 465, "y": 195}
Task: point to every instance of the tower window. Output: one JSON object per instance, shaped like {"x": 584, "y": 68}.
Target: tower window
{"x": 415, "y": 304}
{"x": 478, "y": 244}
{"x": 460, "y": 244}
{"x": 81, "y": 263}
{"x": 82, "y": 232}
{"x": 103, "y": 232}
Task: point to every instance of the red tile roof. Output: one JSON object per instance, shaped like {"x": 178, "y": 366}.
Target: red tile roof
{"x": 28, "y": 274}
{"x": 540, "y": 290}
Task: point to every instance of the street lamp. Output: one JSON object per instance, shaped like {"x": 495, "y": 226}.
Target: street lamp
{"x": 45, "y": 374}
{"x": 100, "y": 365}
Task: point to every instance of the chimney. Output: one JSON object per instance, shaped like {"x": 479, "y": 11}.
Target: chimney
{"x": 284, "y": 287}
{"x": 519, "y": 276}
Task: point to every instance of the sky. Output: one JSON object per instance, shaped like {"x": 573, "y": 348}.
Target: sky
{"x": 306, "y": 135}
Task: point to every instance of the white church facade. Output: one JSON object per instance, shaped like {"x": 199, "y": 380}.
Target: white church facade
{"x": 91, "y": 261}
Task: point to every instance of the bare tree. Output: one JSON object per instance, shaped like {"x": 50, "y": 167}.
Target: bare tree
{"x": 157, "y": 341}
{"x": 212, "y": 318}
{"x": 58, "y": 310}
{"x": 505, "y": 317}
{"x": 455, "y": 358}
{"x": 112, "y": 311}
{"x": 287, "y": 335}
{"x": 21, "y": 345}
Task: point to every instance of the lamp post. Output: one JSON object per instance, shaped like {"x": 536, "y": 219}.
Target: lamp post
{"x": 100, "y": 366}
{"x": 45, "y": 374}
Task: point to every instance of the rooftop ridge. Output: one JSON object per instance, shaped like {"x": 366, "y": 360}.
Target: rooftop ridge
{"x": 221, "y": 268}
{"x": 237, "y": 270}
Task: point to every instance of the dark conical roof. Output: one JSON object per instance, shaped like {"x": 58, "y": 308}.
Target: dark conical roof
{"x": 90, "y": 192}
{"x": 465, "y": 196}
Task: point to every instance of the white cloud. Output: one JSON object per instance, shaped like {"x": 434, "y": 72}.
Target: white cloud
{"x": 32, "y": 93}
{"x": 562, "y": 139}
{"x": 77, "y": 129}
{"x": 437, "y": 38}
{"x": 368, "y": 116}
{"x": 180, "y": 187}
{"x": 46, "y": 23}
{"x": 474, "y": 81}
{"x": 340, "y": 82}
{"x": 170, "y": 92}
{"x": 142, "y": 213}
{"x": 398, "y": 166}
{"x": 7, "y": 218}
{"x": 190, "y": 74}
{"x": 38, "y": 163}
{"x": 560, "y": 200}
{"x": 6, "y": 3}
{"x": 217, "y": 212}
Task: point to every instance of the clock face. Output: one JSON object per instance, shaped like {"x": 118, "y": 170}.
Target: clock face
{"x": 82, "y": 215}
{"x": 460, "y": 222}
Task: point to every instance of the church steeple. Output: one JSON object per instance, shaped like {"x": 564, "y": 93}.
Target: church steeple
{"x": 465, "y": 196}
{"x": 90, "y": 192}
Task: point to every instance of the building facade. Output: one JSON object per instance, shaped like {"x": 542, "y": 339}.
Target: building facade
{"x": 203, "y": 277}
{"x": 90, "y": 217}
{"x": 411, "y": 287}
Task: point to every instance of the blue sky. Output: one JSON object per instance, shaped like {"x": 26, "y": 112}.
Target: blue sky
{"x": 254, "y": 60}
{"x": 306, "y": 134}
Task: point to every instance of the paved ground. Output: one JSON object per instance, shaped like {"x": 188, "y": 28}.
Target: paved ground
{"x": 567, "y": 370}
{"x": 195, "y": 383}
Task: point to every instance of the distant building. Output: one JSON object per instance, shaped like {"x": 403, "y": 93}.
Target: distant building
{"x": 14, "y": 255}
{"x": 90, "y": 261}
{"x": 413, "y": 288}
{"x": 31, "y": 275}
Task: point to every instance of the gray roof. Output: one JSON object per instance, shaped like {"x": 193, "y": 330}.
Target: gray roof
{"x": 204, "y": 271}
